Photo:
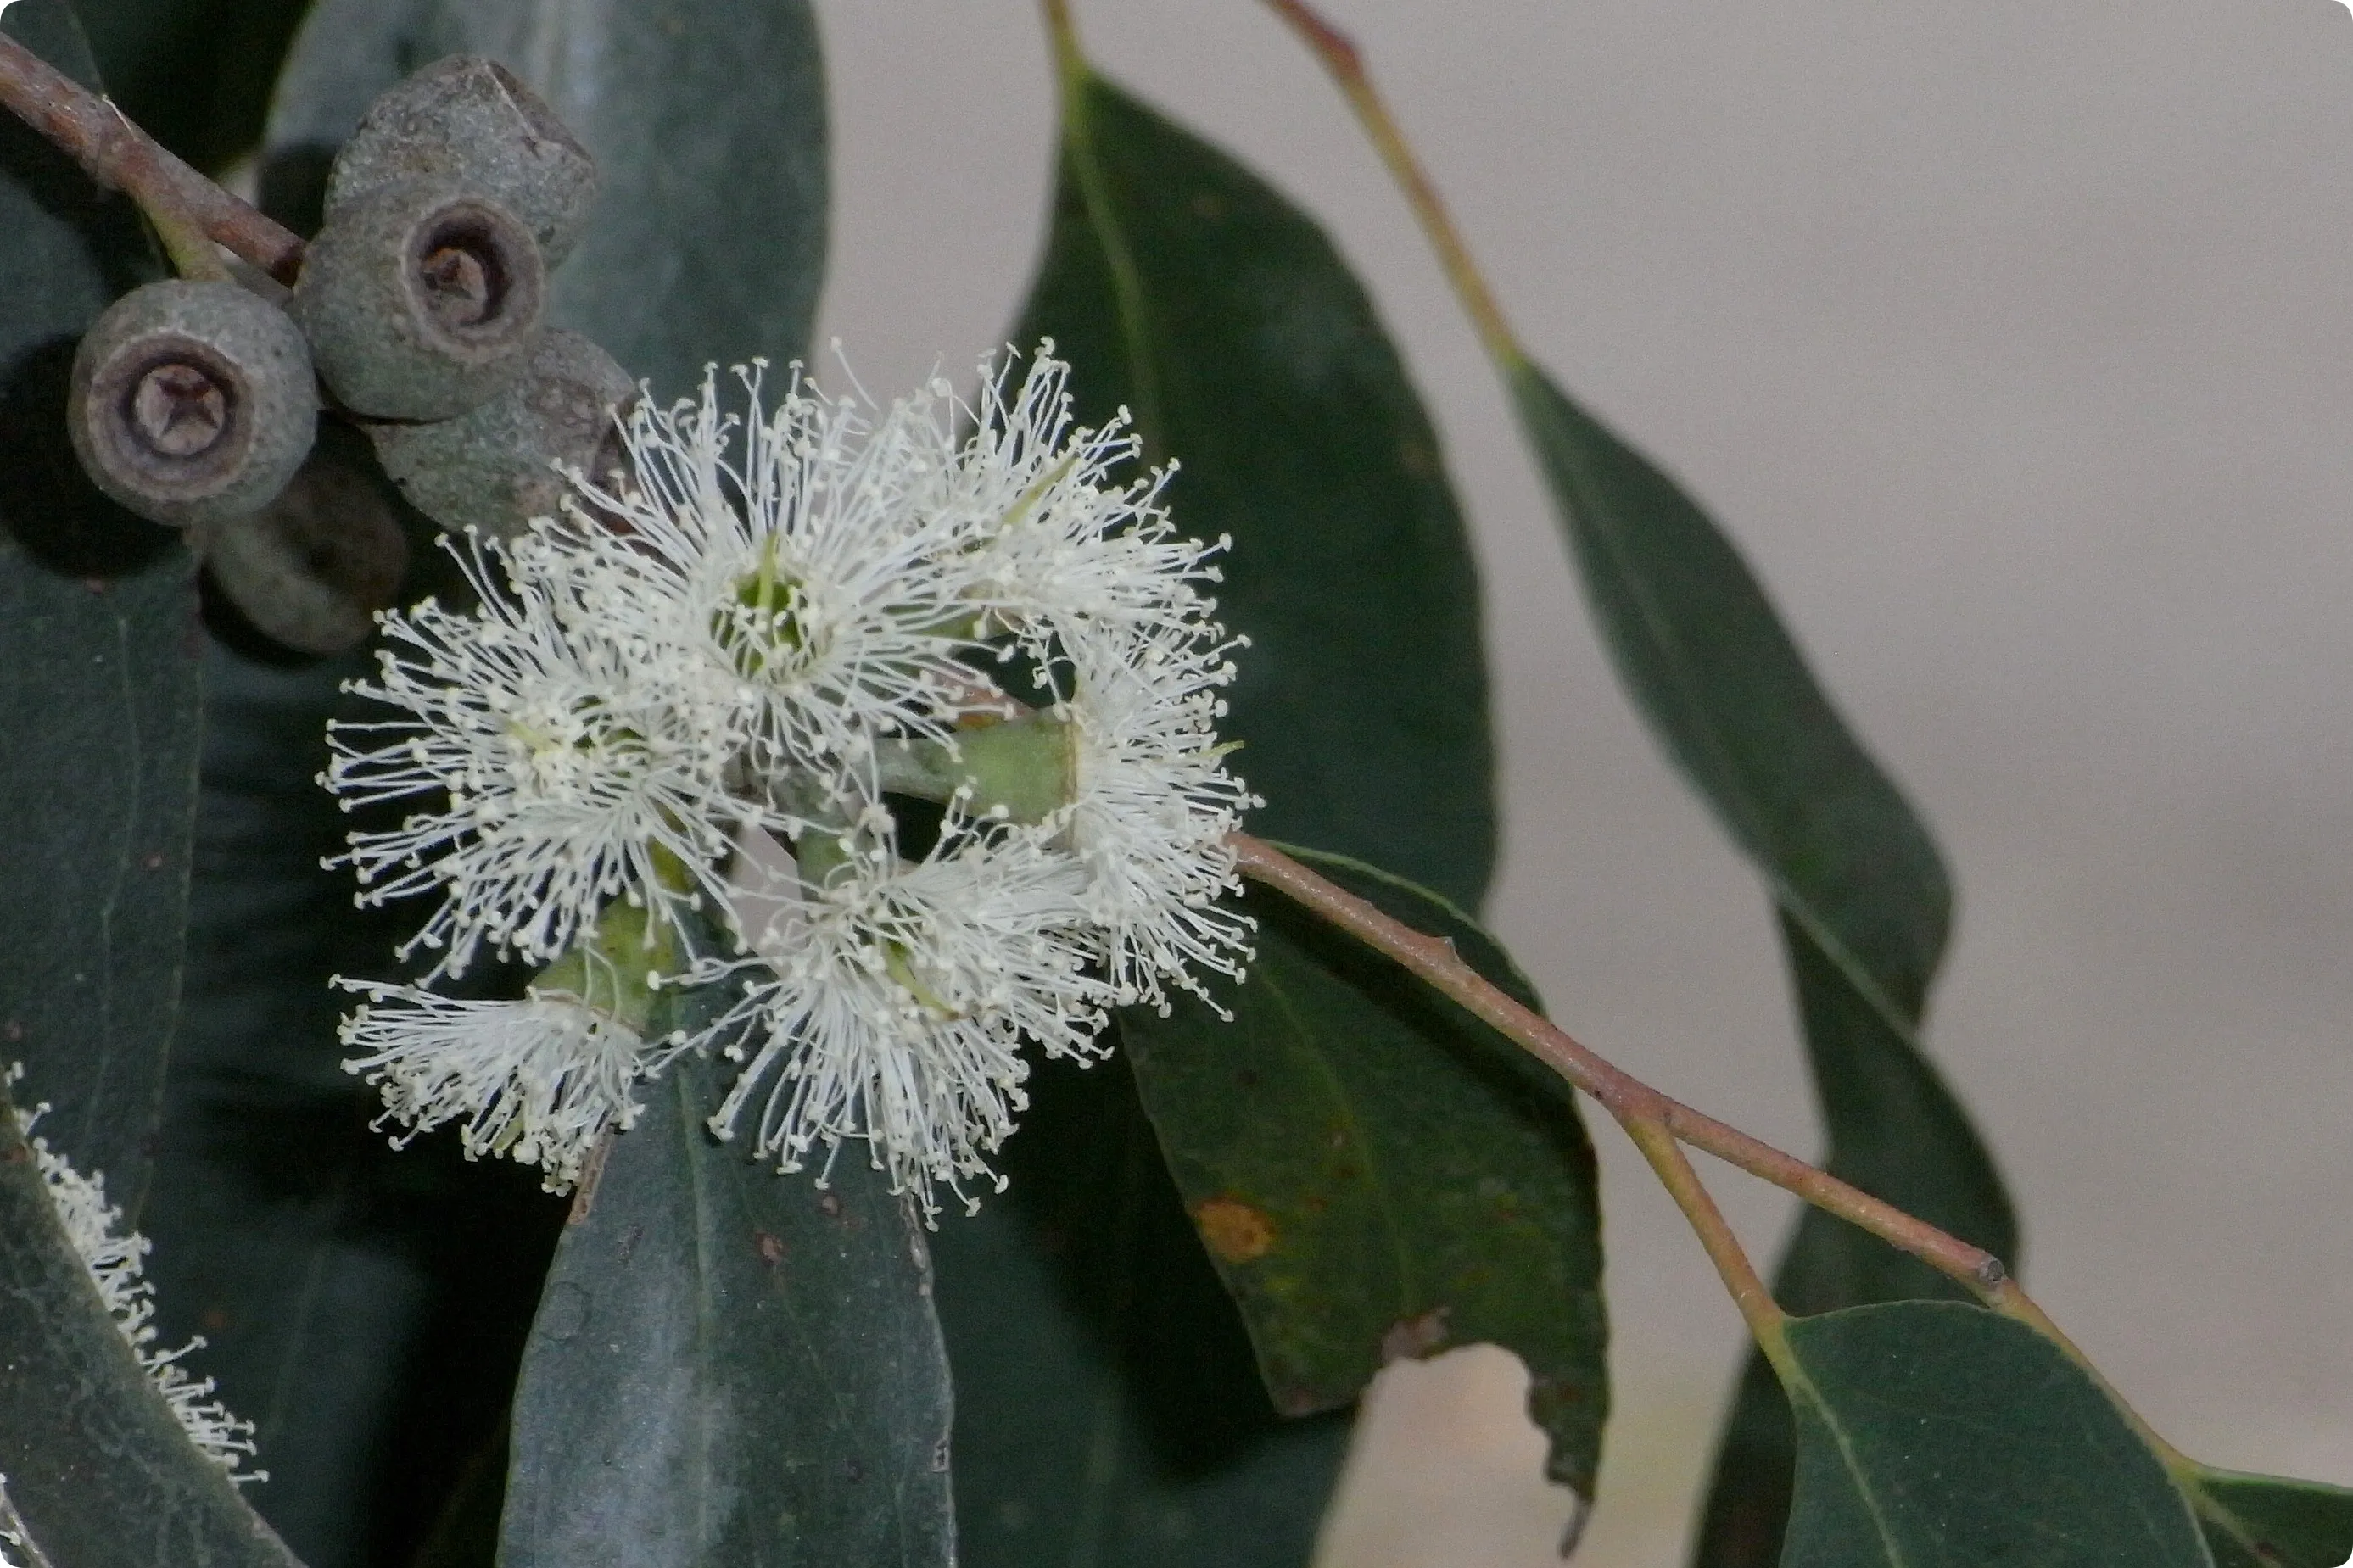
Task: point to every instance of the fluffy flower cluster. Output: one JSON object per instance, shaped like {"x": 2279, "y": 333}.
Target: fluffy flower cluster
{"x": 967, "y": 677}
{"x": 116, "y": 1259}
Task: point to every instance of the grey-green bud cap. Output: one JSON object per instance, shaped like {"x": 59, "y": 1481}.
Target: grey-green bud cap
{"x": 469, "y": 119}
{"x": 310, "y": 570}
{"x": 192, "y": 401}
{"x": 502, "y": 464}
{"x": 421, "y": 300}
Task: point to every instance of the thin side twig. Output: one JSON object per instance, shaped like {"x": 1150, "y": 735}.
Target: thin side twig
{"x": 1346, "y": 67}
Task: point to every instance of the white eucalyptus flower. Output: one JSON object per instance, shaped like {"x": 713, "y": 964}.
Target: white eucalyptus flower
{"x": 116, "y": 1260}
{"x": 900, "y": 996}
{"x": 1152, "y": 805}
{"x": 1068, "y": 549}
{"x": 776, "y": 614}
{"x": 788, "y": 560}
{"x": 540, "y": 1081}
{"x": 554, "y": 770}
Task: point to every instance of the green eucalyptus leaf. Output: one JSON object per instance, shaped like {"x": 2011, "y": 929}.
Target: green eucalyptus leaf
{"x": 1935, "y": 1435}
{"x": 1731, "y": 698}
{"x": 731, "y": 1367}
{"x": 98, "y": 688}
{"x": 1863, "y": 900}
{"x": 98, "y": 1469}
{"x": 1109, "y": 1405}
{"x": 707, "y": 121}
{"x": 1108, "y": 1409}
{"x": 365, "y": 1307}
{"x": 1180, "y": 286}
{"x": 2268, "y": 1522}
{"x": 1376, "y": 1173}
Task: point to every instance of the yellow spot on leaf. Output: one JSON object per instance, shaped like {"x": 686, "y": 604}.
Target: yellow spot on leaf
{"x": 1235, "y": 1231}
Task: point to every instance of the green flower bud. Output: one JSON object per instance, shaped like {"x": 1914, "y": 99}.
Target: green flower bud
{"x": 468, "y": 119}
{"x": 497, "y": 467}
{"x": 1022, "y": 769}
{"x": 421, "y": 300}
{"x": 192, "y": 401}
{"x": 619, "y": 968}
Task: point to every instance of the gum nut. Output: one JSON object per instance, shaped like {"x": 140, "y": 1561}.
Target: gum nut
{"x": 421, "y": 300}
{"x": 310, "y": 570}
{"x": 192, "y": 401}
{"x": 502, "y": 465}
{"x": 469, "y": 119}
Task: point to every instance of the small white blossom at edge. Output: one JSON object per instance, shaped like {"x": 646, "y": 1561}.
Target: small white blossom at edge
{"x": 115, "y": 1259}
{"x": 540, "y": 1081}
{"x": 566, "y": 763}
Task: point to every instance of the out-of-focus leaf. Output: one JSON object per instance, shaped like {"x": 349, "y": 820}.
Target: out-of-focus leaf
{"x": 99, "y": 690}
{"x": 194, "y": 74}
{"x": 1109, "y": 1409}
{"x": 1377, "y": 1173}
{"x": 98, "y": 1469}
{"x": 732, "y": 1367}
{"x": 1864, "y": 899}
{"x": 1934, "y": 1434}
{"x": 690, "y": 107}
{"x": 2268, "y": 1522}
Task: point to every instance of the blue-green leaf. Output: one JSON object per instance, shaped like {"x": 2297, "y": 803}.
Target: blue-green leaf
{"x": 98, "y": 689}
{"x": 1935, "y": 1435}
{"x": 732, "y": 1367}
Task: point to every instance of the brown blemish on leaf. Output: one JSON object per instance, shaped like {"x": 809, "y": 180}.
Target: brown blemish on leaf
{"x": 1415, "y": 1337}
{"x": 592, "y": 1177}
{"x": 1233, "y": 1230}
{"x": 772, "y": 1251}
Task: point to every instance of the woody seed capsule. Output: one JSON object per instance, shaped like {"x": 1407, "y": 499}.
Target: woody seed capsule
{"x": 499, "y": 466}
{"x": 421, "y": 300}
{"x": 469, "y": 119}
{"x": 192, "y": 401}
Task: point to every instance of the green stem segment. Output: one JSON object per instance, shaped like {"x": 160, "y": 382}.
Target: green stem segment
{"x": 1757, "y": 1309}
{"x": 1025, "y": 768}
{"x": 1346, "y": 67}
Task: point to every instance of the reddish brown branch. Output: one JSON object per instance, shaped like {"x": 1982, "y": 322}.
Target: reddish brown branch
{"x": 120, "y": 156}
{"x": 1626, "y": 1098}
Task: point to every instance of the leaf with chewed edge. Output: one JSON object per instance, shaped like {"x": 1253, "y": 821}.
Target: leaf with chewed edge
{"x": 1376, "y": 1173}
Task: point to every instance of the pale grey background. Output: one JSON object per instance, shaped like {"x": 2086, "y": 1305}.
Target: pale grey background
{"x": 2012, "y": 340}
